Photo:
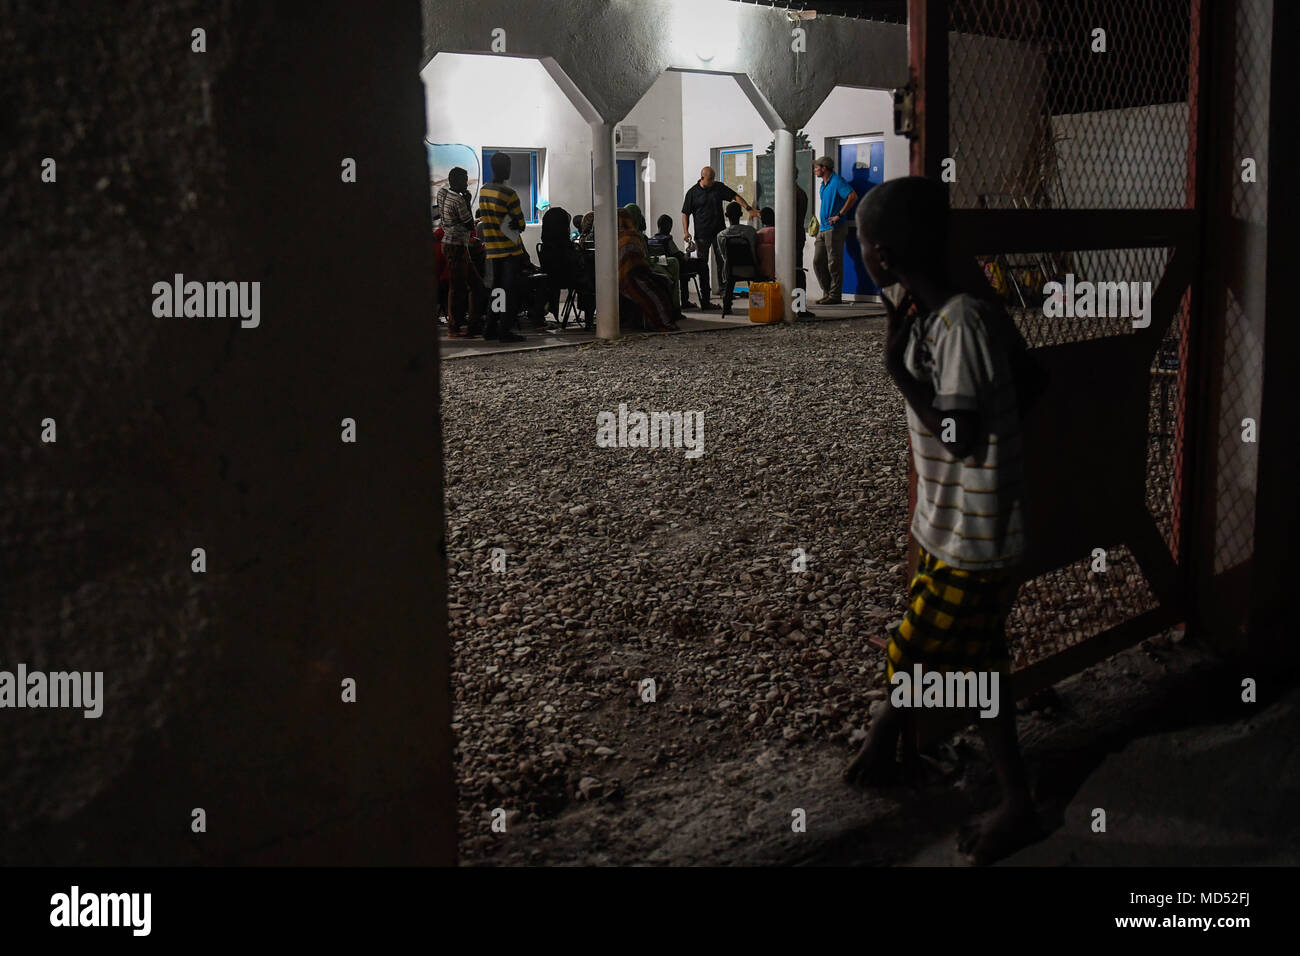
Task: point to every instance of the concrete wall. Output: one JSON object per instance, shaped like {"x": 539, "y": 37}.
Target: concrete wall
{"x": 222, "y": 689}
{"x": 510, "y": 101}
{"x": 679, "y": 120}
{"x": 1122, "y": 159}
{"x": 613, "y": 51}
{"x": 659, "y": 122}
{"x": 507, "y": 101}
{"x": 852, "y": 112}
{"x": 716, "y": 113}
{"x": 996, "y": 105}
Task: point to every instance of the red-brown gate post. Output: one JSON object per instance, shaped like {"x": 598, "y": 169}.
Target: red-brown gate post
{"x": 927, "y": 40}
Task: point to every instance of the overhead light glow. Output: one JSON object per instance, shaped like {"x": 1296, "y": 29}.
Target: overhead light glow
{"x": 704, "y": 33}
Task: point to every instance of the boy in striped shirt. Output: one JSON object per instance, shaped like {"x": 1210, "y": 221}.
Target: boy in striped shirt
{"x": 499, "y": 204}
{"x": 949, "y": 353}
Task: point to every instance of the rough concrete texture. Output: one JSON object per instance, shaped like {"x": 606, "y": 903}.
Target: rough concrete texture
{"x": 222, "y": 689}
{"x": 1223, "y": 794}
{"x": 613, "y": 50}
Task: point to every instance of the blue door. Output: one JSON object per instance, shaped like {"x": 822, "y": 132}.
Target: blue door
{"x": 626, "y": 182}
{"x": 863, "y": 165}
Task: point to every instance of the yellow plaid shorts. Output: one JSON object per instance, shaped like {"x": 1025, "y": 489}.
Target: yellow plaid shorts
{"x": 955, "y": 620}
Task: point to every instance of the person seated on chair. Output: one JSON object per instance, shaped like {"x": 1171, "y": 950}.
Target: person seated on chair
{"x": 767, "y": 243}
{"x": 669, "y": 268}
{"x": 534, "y": 293}
{"x": 638, "y": 281}
{"x": 686, "y": 266}
{"x": 734, "y": 271}
{"x": 576, "y": 232}
{"x": 736, "y": 229}
{"x": 559, "y": 257}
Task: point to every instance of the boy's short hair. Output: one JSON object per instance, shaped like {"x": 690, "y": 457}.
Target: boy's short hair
{"x": 768, "y": 216}
{"x": 733, "y": 212}
{"x": 909, "y": 216}
{"x": 665, "y": 224}
{"x": 500, "y": 166}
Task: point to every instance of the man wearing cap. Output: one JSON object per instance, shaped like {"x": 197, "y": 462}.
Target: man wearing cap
{"x": 837, "y": 198}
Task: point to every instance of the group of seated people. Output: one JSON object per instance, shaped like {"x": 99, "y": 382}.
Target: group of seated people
{"x": 651, "y": 278}
{"x": 654, "y": 273}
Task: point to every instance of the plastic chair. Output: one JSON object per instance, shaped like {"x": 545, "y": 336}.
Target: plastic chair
{"x": 737, "y": 263}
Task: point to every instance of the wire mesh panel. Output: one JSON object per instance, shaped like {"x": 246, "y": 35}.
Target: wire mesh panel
{"x": 1069, "y": 104}
{"x": 1083, "y": 105}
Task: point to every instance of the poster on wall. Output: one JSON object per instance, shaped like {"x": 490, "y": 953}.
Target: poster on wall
{"x": 442, "y": 157}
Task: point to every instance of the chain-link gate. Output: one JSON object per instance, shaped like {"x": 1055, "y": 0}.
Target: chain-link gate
{"x": 1067, "y": 132}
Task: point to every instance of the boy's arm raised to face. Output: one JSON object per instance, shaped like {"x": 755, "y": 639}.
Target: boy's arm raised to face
{"x": 966, "y": 425}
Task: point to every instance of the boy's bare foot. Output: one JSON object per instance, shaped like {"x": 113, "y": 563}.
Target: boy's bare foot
{"x": 998, "y": 835}
{"x": 876, "y": 764}
{"x": 919, "y": 771}
{"x": 872, "y": 767}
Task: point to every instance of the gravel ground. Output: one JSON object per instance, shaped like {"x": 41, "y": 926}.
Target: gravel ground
{"x": 624, "y": 565}
{"x": 628, "y": 564}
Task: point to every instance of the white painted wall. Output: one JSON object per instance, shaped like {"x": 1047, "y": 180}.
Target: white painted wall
{"x": 658, "y": 119}
{"x": 995, "y": 124}
{"x": 506, "y": 101}
{"x": 716, "y": 113}
{"x": 682, "y": 117}
{"x": 850, "y": 112}
{"x": 1122, "y": 159}
{"x": 516, "y": 104}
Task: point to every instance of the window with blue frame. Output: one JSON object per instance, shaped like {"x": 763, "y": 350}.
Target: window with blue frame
{"x": 524, "y": 168}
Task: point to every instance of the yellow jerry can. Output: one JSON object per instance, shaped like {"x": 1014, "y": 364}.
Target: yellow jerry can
{"x": 765, "y": 303}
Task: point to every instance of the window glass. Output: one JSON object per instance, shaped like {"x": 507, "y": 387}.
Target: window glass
{"x": 523, "y": 177}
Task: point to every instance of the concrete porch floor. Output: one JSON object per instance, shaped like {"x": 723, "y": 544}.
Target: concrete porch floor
{"x": 696, "y": 321}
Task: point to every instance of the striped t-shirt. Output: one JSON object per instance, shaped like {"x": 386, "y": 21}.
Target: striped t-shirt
{"x": 968, "y": 513}
{"x": 457, "y": 222}
{"x": 499, "y": 203}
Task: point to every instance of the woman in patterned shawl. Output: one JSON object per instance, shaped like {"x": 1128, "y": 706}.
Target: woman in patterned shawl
{"x": 638, "y": 282}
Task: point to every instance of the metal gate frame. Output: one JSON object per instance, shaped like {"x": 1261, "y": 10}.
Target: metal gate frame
{"x": 1030, "y": 231}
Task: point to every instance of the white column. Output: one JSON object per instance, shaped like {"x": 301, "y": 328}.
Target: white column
{"x": 605, "y": 193}
{"x": 785, "y": 211}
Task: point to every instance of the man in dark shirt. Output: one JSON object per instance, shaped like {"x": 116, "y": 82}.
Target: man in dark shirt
{"x": 800, "y": 238}
{"x": 801, "y": 224}
{"x": 704, "y": 201}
